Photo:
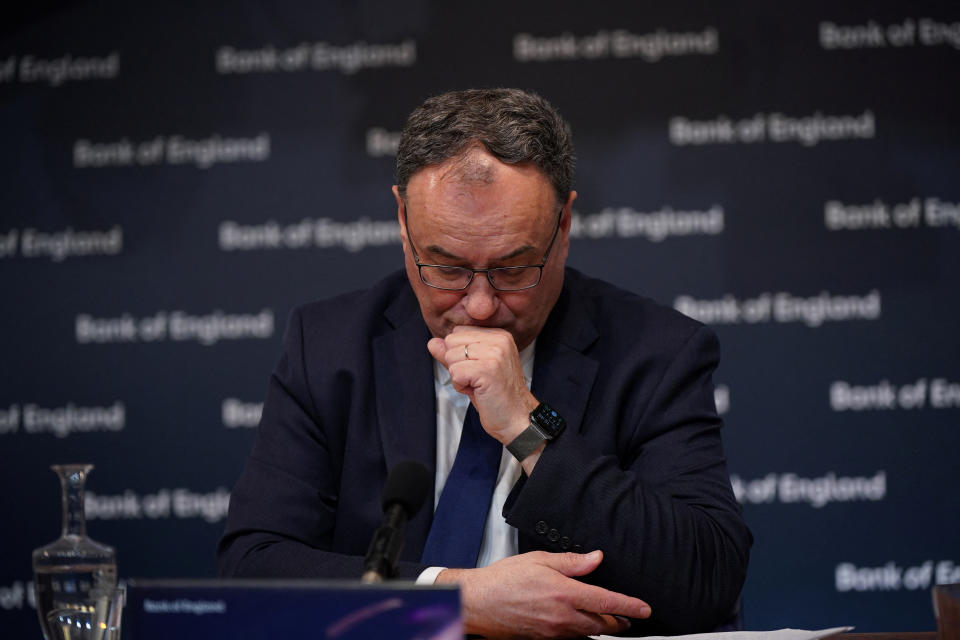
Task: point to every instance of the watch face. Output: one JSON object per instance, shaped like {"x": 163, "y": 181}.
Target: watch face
{"x": 548, "y": 419}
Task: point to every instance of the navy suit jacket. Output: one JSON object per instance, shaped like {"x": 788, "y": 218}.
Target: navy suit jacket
{"x": 639, "y": 472}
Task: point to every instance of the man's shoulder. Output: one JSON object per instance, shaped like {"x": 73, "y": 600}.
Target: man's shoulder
{"x": 358, "y": 314}
{"x": 353, "y": 305}
{"x": 614, "y": 309}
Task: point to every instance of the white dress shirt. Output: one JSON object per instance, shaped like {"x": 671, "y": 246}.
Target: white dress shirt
{"x": 499, "y": 538}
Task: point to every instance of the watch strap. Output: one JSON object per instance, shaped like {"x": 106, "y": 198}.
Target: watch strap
{"x": 526, "y": 443}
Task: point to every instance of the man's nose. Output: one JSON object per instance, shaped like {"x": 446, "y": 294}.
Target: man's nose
{"x": 481, "y": 298}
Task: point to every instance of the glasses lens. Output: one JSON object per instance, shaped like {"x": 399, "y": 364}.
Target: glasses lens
{"x": 514, "y": 278}
{"x": 445, "y": 277}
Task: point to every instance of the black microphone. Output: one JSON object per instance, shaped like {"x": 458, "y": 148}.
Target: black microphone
{"x": 403, "y": 495}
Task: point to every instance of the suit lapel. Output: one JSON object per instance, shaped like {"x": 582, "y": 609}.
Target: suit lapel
{"x": 406, "y": 402}
{"x": 563, "y": 376}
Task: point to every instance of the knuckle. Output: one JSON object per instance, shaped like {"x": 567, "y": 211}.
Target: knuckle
{"x": 558, "y": 627}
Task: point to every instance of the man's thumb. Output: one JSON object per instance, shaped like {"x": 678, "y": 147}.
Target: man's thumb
{"x": 577, "y": 564}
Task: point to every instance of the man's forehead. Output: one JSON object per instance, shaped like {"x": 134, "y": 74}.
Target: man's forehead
{"x": 472, "y": 167}
{"x": 481, "y": 176}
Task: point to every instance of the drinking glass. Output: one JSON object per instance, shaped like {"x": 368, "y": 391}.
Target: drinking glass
{"x": 72, "y": 573}
{"x": 97, "y": 619}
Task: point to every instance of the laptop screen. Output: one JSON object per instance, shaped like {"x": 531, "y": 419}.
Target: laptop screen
{"x": 255, "y": 609}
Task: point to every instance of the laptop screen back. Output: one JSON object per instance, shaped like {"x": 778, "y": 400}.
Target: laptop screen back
{"x": 255, "y": 609}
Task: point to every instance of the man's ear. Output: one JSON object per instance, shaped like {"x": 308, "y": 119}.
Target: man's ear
{"x": 567, "y": 213}
{"x": 401, "y": 214}
{"x": 565, "y": 221}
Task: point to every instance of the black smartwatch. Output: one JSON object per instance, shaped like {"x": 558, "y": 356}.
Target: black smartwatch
{"x": 545, "y": 425}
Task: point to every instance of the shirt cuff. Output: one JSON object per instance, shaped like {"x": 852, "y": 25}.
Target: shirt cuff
{"x": 429, "y": 575}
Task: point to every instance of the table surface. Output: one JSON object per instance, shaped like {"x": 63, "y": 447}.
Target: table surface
{"x": 886, "y": 635}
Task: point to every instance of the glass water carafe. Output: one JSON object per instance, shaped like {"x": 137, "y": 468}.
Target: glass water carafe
{"x": 73, "y": 571}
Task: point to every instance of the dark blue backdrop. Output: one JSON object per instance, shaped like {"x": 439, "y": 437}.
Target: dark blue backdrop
{"x": 176, "y": 178}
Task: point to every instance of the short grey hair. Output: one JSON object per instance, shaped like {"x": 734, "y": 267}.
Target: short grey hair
{"x": 514, "y": 126}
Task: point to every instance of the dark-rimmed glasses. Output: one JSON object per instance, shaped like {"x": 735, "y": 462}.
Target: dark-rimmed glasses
{"x": 450, "y": 278}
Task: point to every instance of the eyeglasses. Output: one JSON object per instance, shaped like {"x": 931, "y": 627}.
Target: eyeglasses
{"x": 450, "y": 278}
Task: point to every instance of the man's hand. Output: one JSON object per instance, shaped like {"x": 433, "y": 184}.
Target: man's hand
{"x": 534, "y": 595}
{"x": 484, "y": 364}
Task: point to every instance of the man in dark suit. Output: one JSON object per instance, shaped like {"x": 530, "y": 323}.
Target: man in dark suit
{"x": 614, "y": 491}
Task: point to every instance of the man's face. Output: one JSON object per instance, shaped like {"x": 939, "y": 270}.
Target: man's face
{"x": 482, "y": 213}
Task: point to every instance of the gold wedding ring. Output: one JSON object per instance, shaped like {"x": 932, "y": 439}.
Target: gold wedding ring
{"x": 466, "y": 354}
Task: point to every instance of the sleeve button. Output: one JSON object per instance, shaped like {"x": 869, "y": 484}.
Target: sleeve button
{"x": 553, "y": 535}
{"x": 541, "y": 527}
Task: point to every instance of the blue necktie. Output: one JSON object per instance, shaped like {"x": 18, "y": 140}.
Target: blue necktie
{"x": 458, "y": 523}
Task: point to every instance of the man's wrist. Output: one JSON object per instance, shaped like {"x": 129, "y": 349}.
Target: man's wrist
{"x": 520, "y": 422}
{"x": 544, "y": 424}
{"x": 449, "y": 576}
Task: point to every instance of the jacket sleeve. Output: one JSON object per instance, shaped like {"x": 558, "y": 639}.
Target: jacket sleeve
{"x": 645, "y": 481}
{"x": 283, "y": 508}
